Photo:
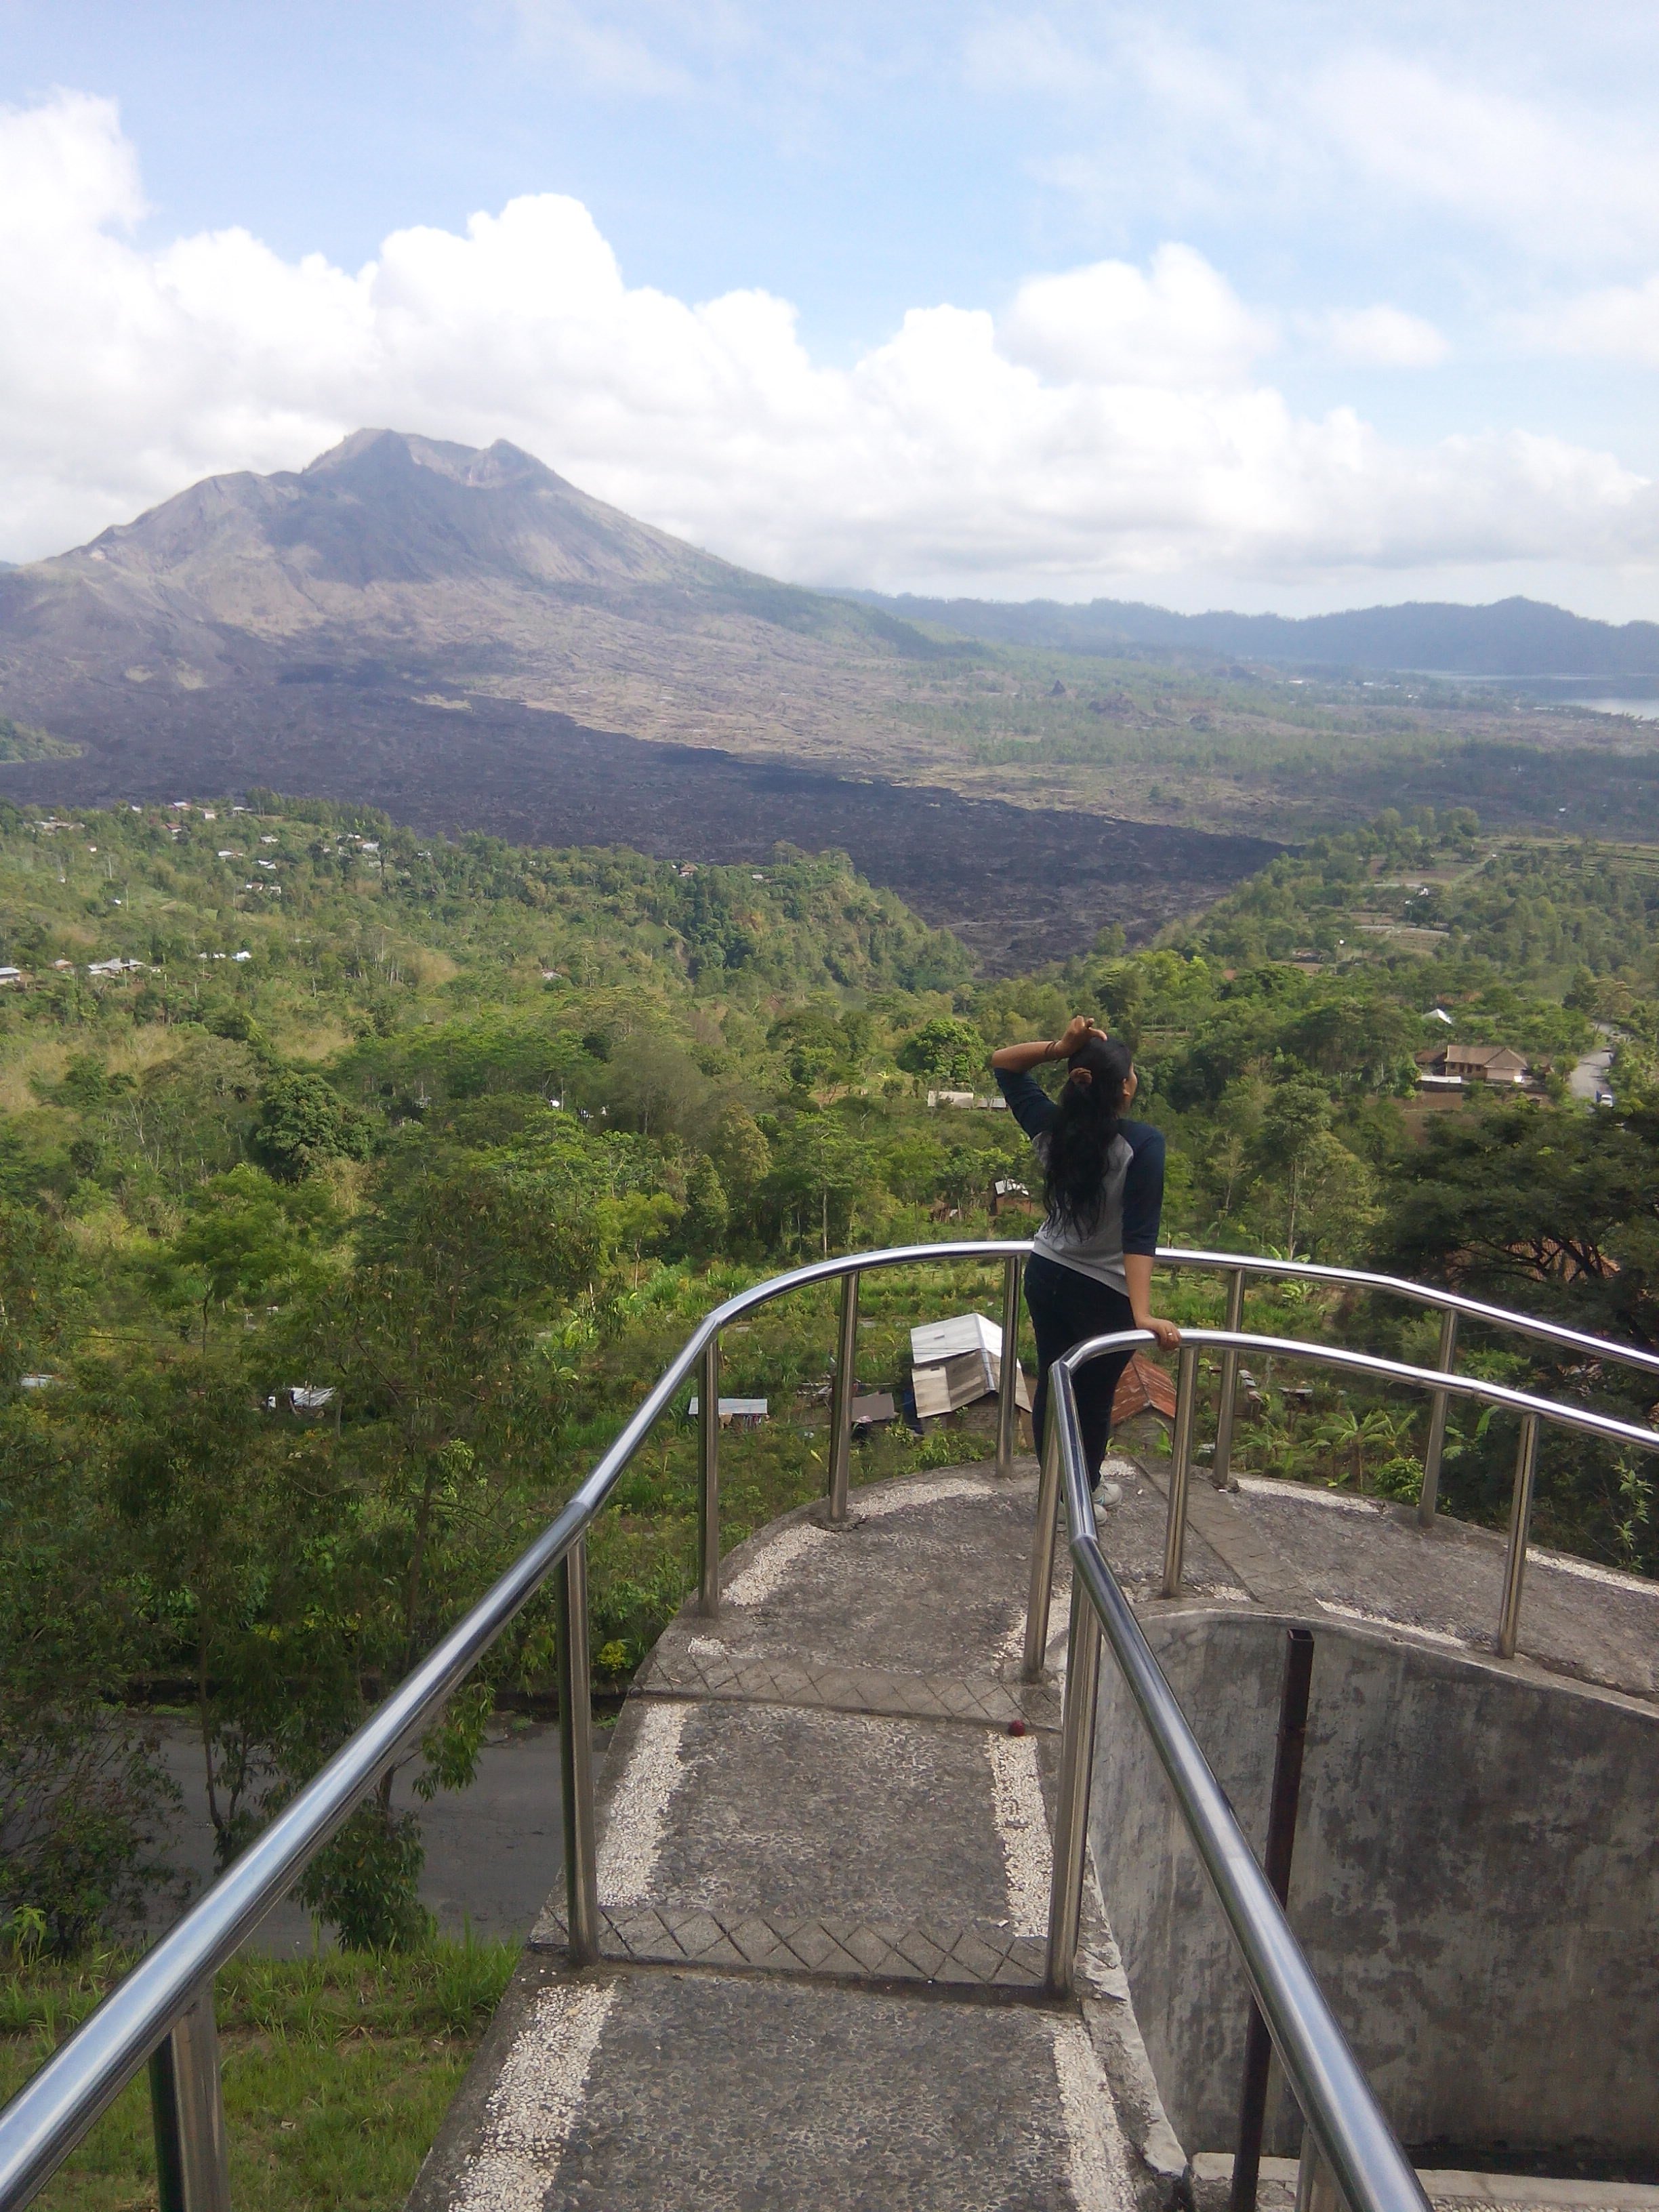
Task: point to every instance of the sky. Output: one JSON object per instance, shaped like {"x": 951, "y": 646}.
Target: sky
{"x": 1274, "y": 305}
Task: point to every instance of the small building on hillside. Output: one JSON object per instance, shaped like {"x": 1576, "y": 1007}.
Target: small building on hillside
{"x": 1485, "y": 1063}
{"x": 739, "y": 1413}
{"x": 1472, "y": 1063}
{"x": 1008, "y": 1196}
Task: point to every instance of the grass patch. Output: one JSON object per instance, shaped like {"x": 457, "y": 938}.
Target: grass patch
{"x": 338, "y": 2069}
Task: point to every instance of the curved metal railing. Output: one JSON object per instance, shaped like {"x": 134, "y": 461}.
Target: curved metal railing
{"x": 1452, "y": 1307}
{"x": 162, "y": 2010}
{"x": 1533, "y": 1411}
{"x": 1343, "y": 2117}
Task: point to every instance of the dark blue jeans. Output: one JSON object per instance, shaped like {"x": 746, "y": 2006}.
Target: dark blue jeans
{"x": 1068, "y": 1308}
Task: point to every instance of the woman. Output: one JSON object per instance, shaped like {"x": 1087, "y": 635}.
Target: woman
{"x": 1091, "y": 1269}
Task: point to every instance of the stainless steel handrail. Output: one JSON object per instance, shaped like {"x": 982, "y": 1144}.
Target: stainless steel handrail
{"x": 51, "y": 2113}
{"x": 1452, "y": 1307}
{"x": 1337, "y": 2104}
{"x": 1423, "y": 1294}
{"x": 1533, "y": 1411}
{"x": 168, "y": 1995}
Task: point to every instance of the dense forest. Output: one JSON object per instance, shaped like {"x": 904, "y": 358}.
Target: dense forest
{"x": 353, "y": 1184}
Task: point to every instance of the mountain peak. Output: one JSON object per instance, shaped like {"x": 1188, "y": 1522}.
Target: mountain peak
{"x": 383, "y": 508}
{"x": 490, "y": 467}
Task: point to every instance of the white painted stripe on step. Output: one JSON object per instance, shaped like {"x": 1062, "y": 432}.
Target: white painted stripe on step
{"x": 1405, "y": 1627}
{"x": 1587, "y": 1570}
{"x": 637, "y": 1812}
{"x": 1023, "y": 1828}
{"x": 1306, "y": 1493}
{"x": 767, "y": 1571}
{"x": 1096, "y": 2156}
{"x": 916, "y": 1491}
{"x": 535, "y": 2101}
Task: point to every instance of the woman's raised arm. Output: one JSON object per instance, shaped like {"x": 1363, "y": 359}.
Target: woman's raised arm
{"x": 1016, "y": 1058}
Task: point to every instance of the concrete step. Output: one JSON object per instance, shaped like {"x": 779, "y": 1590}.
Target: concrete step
{"x": 625, "y": 2090}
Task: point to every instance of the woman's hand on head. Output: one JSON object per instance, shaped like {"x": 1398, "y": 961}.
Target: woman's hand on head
{"x": 1077, "y": 1032}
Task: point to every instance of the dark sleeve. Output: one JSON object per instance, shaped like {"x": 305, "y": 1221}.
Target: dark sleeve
{"x": 1028, "y": 1101}
{"x": 1143, "y": 1189}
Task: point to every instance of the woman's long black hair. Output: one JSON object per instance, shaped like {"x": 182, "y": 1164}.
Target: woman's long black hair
{"x": 1074, "y": 1164}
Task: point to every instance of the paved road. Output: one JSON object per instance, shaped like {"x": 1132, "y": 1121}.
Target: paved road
{"x": 1592, "y": 1072}
{"x": 493, "y": 1852}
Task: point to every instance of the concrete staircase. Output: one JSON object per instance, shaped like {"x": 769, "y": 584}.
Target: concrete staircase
{"x": 824, "y": 1871}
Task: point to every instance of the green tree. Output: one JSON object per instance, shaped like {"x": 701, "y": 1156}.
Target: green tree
{"x": 229, "y": 1524}
{"x": 818, "y": 1175}
{"x": 742, "y": 1158}
{"x": 42, "y": 1296}
{"x": 246, "y": 1240}
{"x": 1545, "y": 1206}
{"x": 947, "y": 1053}
{"x": 304, "y": 1122}
{"x": 820, "y": 1045}
{"x": 914, "y": 1166}
{"x": 83, "y": 1800}
{"x": 1290, "y": 1150}
{"x": 703, "y": 1227}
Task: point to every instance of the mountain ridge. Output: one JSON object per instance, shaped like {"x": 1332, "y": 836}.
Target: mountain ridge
{"x": 1515, "y": 637}
{"x": 413, "y": 618}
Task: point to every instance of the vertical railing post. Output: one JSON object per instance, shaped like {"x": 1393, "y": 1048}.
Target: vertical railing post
{"x": 1041, "y": 1596}
{"x": 1008, "y": 1381}
{"x": 1221, "y": 1471}
{"x": 187, "y": 2109}
{"x": 708, "y": 1488}
{"x": 577, "y": 1755}
{"x": 1180, "y": 1463}
{"x": 840, "y": 1411}
{"x": 1077, "y": 1759}
{"x": 1316, "y": 2189}
{"x": 1429, "y": 1497}
{"x": 1515, "y": 1566}
{"x": 1276, "y": 1865}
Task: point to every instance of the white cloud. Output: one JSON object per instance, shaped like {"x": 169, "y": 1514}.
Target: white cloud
{"x": 1107, "y": 429}
{"x": 1619, "y": 323}
{"x": 1183, "y": 324}
{"x": 610, "y": 56}
{"x": 1513, "y": 129}
{"x": 1382, "y": 337}
{"x": 1555, "y": 180}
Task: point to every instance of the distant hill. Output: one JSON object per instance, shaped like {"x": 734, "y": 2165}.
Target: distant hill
{"x": 413, "y": 565}
{"x": 1514, "y": 637}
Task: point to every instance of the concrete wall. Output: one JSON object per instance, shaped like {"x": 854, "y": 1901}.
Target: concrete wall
{"x": 1476, "y": 1883}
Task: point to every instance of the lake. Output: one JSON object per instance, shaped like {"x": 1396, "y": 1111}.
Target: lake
{"x": 1644, "y": 710}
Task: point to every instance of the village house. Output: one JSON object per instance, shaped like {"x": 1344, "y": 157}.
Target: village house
{"x": 1473, "y": 1063}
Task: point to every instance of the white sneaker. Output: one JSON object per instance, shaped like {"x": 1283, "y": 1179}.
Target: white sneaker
{"x": 1107, "y": 1496}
